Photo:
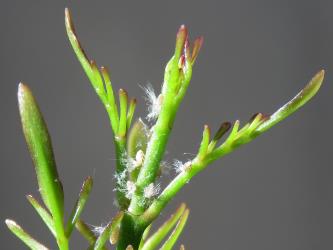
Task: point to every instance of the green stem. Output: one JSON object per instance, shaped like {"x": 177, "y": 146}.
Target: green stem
{"x": 62, "y": 242}
{"x": 130, "y": 232}
{"x": 155, "y": 151}
{"x": 170, "y": 191}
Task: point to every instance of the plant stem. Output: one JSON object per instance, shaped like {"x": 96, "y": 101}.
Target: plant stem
{"x": 155, "y": 151}
{"x": 130, "y": 232}
{"x": 170, "y": 191}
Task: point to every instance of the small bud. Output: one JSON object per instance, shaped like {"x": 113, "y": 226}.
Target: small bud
{"x": 196, "y": 48}
{"x": 139, "y": 157}
{"x": 225, "y": 126}
{"x": 180, "y": 40}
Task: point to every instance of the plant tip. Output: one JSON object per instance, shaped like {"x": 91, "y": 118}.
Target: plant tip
{"x": 10, "y": 223}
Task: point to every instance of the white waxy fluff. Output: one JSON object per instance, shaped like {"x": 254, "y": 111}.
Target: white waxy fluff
{"x": 130, "y": 189}
{"x": 154, "y": 102}
{"x": 121, "y": 181}
{"x": 131, "y": 163}
{"x": 151, "y": 190}
{"x": 98, "y": 230}
{"x": 181, "y": 167}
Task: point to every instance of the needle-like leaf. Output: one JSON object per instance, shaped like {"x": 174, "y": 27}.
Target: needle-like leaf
{"x": 123, "y": 100}
{"x": 80, "y": 203}
{"x": 130, "y": 112}
{"x": 81, "y": 55}
{"x": 204, "y": 142}
{"x": 108, "y": 230}
{"x": 85, "y": 232}
{"x": 144, "y": 236}
{"x": 43, "y": 213}
{"x": 112, "y": 106}
{"x": 294, "y": 104}
{"x": 24, "y": 236}
{"x": 154, "y": 240}
{"x": 171, "y": 241}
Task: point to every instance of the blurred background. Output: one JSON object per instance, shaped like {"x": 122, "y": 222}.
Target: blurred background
{"x": 274, "y": 193}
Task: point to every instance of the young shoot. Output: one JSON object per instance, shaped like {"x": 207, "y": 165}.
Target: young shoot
{"x": 139, "y": 153}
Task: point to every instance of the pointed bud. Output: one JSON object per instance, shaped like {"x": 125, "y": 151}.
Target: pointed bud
{"x": 225, "y": 126}
{"x": 180, "y": 40}
{"x": 187, "y": 51}
{"x": 196, "y": 48}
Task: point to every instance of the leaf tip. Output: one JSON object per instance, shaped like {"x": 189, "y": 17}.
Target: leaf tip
{"x": 123, "y": 93}
{"x": 68, "y": 19}
{"x": 11, "y": 224}
{"x": 29, "y": 197}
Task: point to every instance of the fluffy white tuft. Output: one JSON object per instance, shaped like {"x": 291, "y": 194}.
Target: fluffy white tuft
{"x": 121, "y": 181}
{"x": 164, "y": 168}
{"x": 153, "y": 102}
{"x": 151, "y": 190}
{"x": 181, "y": 167}
{"x": 130, "y": 189}
{"x": 98, "y": 230}
{"x": 132, "y": 163}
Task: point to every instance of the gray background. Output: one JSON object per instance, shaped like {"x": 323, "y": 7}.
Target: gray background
{"x": 275, "y": 193}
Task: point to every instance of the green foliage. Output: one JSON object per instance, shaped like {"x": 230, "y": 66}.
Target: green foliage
{"x": 139, "y": 152}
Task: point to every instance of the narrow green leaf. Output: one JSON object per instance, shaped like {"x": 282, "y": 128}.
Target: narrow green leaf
{"x": 108, "y": 230}
{"x": 294, "y": 104}
{"x": 83, "y": 59}
{"x": 43, "y": 213}
{"x": 115, "y": 230}
{"x": 39, "y": 144}
{"x": 130, "y": 113}
{"x": 24, "y": 236}
{"x": 80, "y": 203}
{"x": 204, "y": 142}
{"x": 233, "y": 132}
{"x": 144, "y": 236}
{"x": 123, "y": 99}
{"x": 245, "y": 134}
{"x": 161, "y": 233}
{"x": 85, "y": 232}
{"x": 112, "y": 106}
{"x": 171, "y": 241}
{"x": 98, "y": 83}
